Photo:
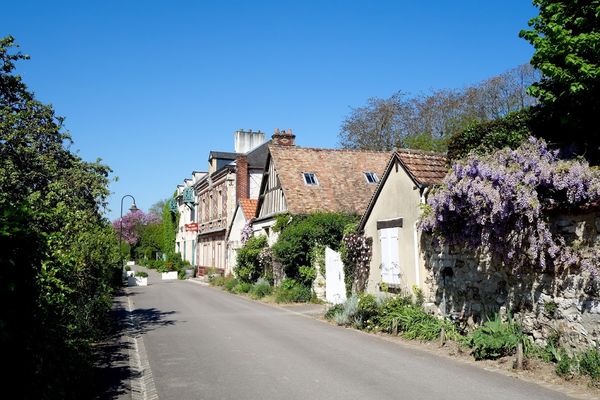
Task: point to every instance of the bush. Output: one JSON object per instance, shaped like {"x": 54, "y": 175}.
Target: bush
{"x": 486, "y": 137}
{"x": 216, "y": 280}
{"x": 248, "y": 267}
{"x": 261, "y": 289}
{"x": 333, "y": 310}
{"x": 589, "y": 364}
{"x": 141, "y": 274}
{"x": 495, "y": 339}
{"x": 300, "y": 233}
{"x": 230, "y": 283}
{"x": 242, "y": 287}
{"x": 291, "y": 291}
{"x": 367, "y": 307}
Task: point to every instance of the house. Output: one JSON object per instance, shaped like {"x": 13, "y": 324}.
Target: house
{"x": 300, "y": 180}
{"x": 391, "y": 219}
{"x": 231, "y": 176}
{"x": 242, "y": 219}
{"x": 184, "y": 205}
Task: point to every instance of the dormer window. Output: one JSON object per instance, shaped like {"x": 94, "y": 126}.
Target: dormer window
{"x": 371, "y": 177}
{"x": 310, "y": 178}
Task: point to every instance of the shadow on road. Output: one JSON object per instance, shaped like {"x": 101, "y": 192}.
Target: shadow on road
{"x": 113, "y": 372}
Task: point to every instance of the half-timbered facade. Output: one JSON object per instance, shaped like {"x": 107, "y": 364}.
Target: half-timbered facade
{"x": 304, "y": 180}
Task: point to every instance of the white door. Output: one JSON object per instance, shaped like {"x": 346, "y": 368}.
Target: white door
{"x": 335, "y": 287}
{"x": 390, "y": 261}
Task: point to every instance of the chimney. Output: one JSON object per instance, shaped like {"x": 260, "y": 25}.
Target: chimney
{"x": 242, "y": 186}
{"x": 284, "y": 138}
{"x": 244, "y": 141}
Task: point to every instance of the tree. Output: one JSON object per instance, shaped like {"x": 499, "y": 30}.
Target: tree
{"x": 157, "y": 208}
{"x": 62, "y": 256}
{"x": 428, "y": 121}
{"x": 566, "y": 38}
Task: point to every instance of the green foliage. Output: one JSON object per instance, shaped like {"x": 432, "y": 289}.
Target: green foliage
{"x": 495, "y": 339}
{"x": 150, "y": 241}
{"x": 307, "y": 274}
{"x": 550, "y": 307}
{"x": 230, "y": 283}
{"x": 260, "y": 289}
{"x": 242, "y": 287}
{"x": 301, "y": 233}
{"x": 248, "y": 267}
{"x": 565, "y": 365}
{"x": 333, "y": 311}
{"x": 367, "y": 306}
{"x": 425, "y": 141}
{"x": 169, "y": 222}
{"x": 141, "y": 274}
{"x": 488, "y": 136}
{"x": 60, "y": 265}
{"x": 589, "y": 364}
{"x": 291, "y": 291}
{"x": 566, "y": 38}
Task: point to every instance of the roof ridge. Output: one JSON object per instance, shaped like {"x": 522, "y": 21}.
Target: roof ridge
{"x": 334, "y": 149}
{"x": 419, "y": 151}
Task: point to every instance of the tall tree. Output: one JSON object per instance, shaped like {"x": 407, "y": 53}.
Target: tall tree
{"x": 62, "y": 257}
{"x": 566, "y": 38}
{"x": 427, "y": 121}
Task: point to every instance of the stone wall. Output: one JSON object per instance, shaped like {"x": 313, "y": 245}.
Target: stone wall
{"x": 467, "y": 287}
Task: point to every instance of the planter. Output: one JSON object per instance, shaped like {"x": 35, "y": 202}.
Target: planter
{"x": 130, "y": 273}
{"x": 169, "y": 275}
{"x": 137, "y": 281}
{"x": 189, "y": 273}
{"x": 130, "y": 262}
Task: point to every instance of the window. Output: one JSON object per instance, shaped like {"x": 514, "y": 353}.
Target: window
{"x": 192, "y": 213}
{"x": 310, "y": 178}
{"x": 371, "y": 177}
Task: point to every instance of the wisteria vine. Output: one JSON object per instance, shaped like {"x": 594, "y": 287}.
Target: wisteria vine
{"x": 499, "y": 203}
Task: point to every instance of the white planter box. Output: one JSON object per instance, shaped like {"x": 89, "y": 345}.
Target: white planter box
{"x": 169, "y": 275}
{"x": 130, "y": 273}
{"x": 130, "y": 262}
{"x": 137, "y": 281}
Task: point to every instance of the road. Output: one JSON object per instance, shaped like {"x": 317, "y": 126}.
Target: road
{"x": 202, "y": 343}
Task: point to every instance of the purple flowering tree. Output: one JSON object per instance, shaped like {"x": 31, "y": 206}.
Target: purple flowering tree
{"x": 132, "y": 225}
{"x": 498, "y": 203}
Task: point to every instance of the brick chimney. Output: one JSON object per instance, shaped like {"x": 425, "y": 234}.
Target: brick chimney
{"x": 283, "y": 138}
{"x": 242, "y": 184}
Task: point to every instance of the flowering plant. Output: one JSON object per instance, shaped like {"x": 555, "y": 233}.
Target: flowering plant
{"x": 498, "y": 202}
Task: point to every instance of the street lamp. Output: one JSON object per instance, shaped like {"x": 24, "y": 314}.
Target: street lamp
{"x": 132, "y": 209}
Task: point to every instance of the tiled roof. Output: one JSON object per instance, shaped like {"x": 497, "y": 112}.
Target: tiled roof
{"x": 248, "y": 207}
{"x": 342, "y": 185}
{"x": 424, "y": 167}
{"x": 427, "y": 168}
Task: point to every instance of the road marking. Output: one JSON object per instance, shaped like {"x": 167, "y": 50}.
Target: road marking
{"x": 142, "y": 382}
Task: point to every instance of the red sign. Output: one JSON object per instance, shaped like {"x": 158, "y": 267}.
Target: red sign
{"x": 193, "y": 227}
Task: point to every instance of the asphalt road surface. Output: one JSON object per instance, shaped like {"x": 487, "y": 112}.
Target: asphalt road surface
{"x": 202, "y": 343}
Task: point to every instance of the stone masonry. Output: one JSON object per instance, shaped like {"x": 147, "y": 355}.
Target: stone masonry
{"x": 468, "y": 287}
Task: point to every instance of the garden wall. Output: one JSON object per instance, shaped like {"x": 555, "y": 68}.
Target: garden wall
{"x": 467, "y": 287}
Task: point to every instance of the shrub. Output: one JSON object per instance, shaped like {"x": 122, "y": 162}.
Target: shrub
{"x": 348, "y": 311}
{"x": 495, "y": 339}
{"x": 291, "y": 291}
{"x": 565, "y": 365}
{"x": 230, "y": 283}
{"x": 242, "y": 287}
{"x": 127, "y": 268}
{"x": 589, "y": 364}
{"x": 141, "y": 274}
{"x": 300, "y": 233}
{"x": 216, "y": 280}
{"x": 488, "y": 136}
{"x": 367, "y": 306}
{"x": 333, "y": 310}
{"x": 261, "y": 289}
{"x": 248, "y": 268}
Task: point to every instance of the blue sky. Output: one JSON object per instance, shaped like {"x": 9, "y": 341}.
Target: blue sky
{"x": 152, "y": 86}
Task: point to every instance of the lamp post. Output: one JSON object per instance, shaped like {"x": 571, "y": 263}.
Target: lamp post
{"x": 132, "y": 209}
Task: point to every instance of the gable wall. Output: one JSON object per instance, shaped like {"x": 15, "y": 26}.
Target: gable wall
{"x": 398, "y": 198}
